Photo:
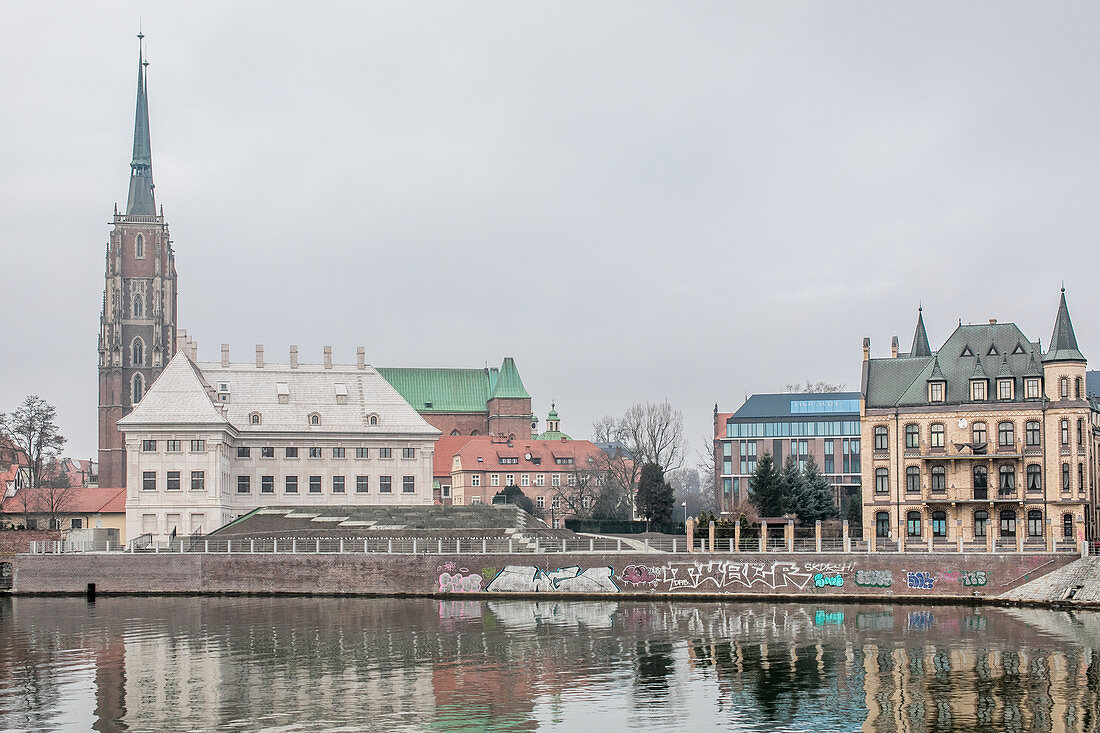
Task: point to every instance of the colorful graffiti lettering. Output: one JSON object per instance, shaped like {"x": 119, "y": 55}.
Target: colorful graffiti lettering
{"x": 641, "y": 575}
{"x": 920, "y": 580}
{"x": 821, "y": 580}
{"x": 948, "y": 576}
{"x": 829, "y": 567}
{"x": 529, "y": 579}
{"x": 975, "y": 577}
{"x": 720, "y": 574}
{"x": 489, "y": 573}
{"x": 450, "y": 567}
{"x": 874, "y": 578}
{"x": 831, "y": 618}
{"x": 459, "y": 583}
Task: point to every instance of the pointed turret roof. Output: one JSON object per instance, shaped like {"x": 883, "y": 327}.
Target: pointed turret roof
{"x": 140, "y": 200}
{"x": 508, "y": 384}
{"x": 1063, "y": 342}
{"x": 1005, "y": 370}
{"x": 1033, "y": 369}
{"x": 937, "y": 373}
{"x": 179, "y": 395}
{"x": 920, "y": 337}
{"x": 979, "y": 371}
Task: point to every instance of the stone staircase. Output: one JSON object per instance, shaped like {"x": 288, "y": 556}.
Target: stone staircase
{"x": 1078, "y": 582}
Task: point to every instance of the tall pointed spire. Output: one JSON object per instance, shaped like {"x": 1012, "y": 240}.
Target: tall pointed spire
{"x": 1063, "y": 342}
{"x": 920, "y": 337}
{"x": 140, "y": 200}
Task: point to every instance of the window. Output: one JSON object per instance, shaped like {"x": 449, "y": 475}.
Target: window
{"x": 939, "y": 479}
{"x": 1067, "y": 526}
{"x": 149, "y": 481}
{"x": 1063, "y": 387}
{"x": 361, "y": 453}
{"x": 1031, "y": 432}
{"x": 1065, "y": 432}
{"x": 1034, "y": 523}
{"x": 315, "y": 484}
{"x": 1005, "y": 434}
{"x": 981, "y": 477}
{"x": 882, "y": 524}
{"x": 198, "y": 446}
{"x": 148, "y": 446}
{"x": 912, "y": 479}
{"x": 510, "y": 479}
{"x": 555, "y": 480}
{"x": 314, "y": 452}
{"x": 1031, "y": 388}
{"x": 254, "y": 418}
{"x": 540, "y": 502}
{"x": 385, "y": 485}
{"x": 137, "y": 389}
{"x": 882, "y": 481}
{"x": 290, "y": 485}
{"x": 979, "y": 432}
{"x": 282, "y": 392}
{"x": 912, "y": 524}
{"x": 1004, "y": 389}
{"x": 540, "y": 479}
{"x": 411, "y": 453}
{"x": 362, "y": 484}
{"x": 267, "y": 484}
{"x": 556, "y": 502}
{"x": 571, "y": 480}
{"x": 1034, "y": 478}
{"x": 139, "y": 306}
{"x": 1081, "y": 476}
{"x": 525, "y": 480}
{"x": 881, "y": 438}
{"x": 408, "y": 484}
{"x": 267, "y": 451}
{"x": 373, "y": 420}
{"x": 139, "y": 247}
{"x": 912, "y": 436}
{"x": 1077, "y": 387}
{"x": 244, "y": 484}
{"x": 1008, "y": 523}
{"x": 198, "y": 481}
{"x": 291, "y": 452}
{"x": 1065, "y": 477}
{"x": 337, "y": 452}
{"x": 137, "y": 353}
{"x": 475, "y": 480}
{"x": 981, "y": 521}
{"x": 1080, "y": 431}
{"x": 338, "y": 484}
{"x": 173, "y": 481}
{"x": 494, "y": 479}
{"x": 243, "y": 452}
{"x": 1008, "y": 479}
{"x": 935, "y": 391}
{"x": 563, "y": 460}
{"x": 939, "y": 524}
{"x": 936, "y": 436}
{"x": 314, "y": 419}
{"x": 76, "y": 523}
{"x": 977, "y": 390}
{"x": 385, "y": 453}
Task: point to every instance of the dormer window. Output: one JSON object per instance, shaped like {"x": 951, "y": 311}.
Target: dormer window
{"x": 282, "y": 392}
{"x": 978, "y": 390}
{"x": 341, "y": 390}
{"x": 1031, "y": 388}
{"x": 1004, "y": 389}
{"x": 314, "y": 418}
{"x": 936, "y": 391}
{"x": 373, "y": 420}
{"x": 993, "y": 350}
{"x": 254, "y": 418}
{"x": 966, "y": 351}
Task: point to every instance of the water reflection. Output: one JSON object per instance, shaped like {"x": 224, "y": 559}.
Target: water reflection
{"x": 422, "y": 665}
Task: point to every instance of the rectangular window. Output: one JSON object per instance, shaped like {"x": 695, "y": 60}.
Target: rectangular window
{"x": 173, "y": 446}
{"x": 1065, "y": 477}
{"x": 337, "y": 452}
{"x": 540, "y": 502}
{"x": 511, "y": 460}
{"x": 148, "y": 446}
{"x": 935, "y": 392}
{"x": 540, "y": 479}
{"x": 1031, "y": 432}
{"x": 173, "y": 481}
{"x": 149, "y": 481}
{"x": 475, "y": 500}
{"x": 315, "y": 484}
{"x": 362, "y": 484}
{"x": 555, "y": 480}
{"x": 291, "y": 452}
{"x": 267, "y": 451}
{"x": 267, "y": 484}
{"x": 1081, "y": 476}
{"x": 198, "y": 481}
{"x": 338, "y": 484}
{"x": 198, "y": 446}
{"x": 291, "y": 485}
{"x": 314, "y": 452}
{"x": 563, "y": 460}
{"x": 408, "y": 484}
{"x": 385, "y": 453}
{"x": 1080, "y": 431}
{"x": 408, "y": 452}
{"x": 937, "y": 436}
{"x": 244, "y": 484}
{"x": 475, "y": 480}
{"x": 361, "y": 453}
{"x": 510, "y": 479}
{"x": 385, "y": 485}
{"x": 977, "y": 390}
{"x": 855, "y": 455}
{"x": 243, "y": 452}
{"x": 1032, "y": 389}
{"x": 494, "y": 480}
{"x": 882, "y": 481}
{"x": 525, "y": 480}
{"x": 1004, "y": 389}
{"x": 76, "y": 523}
{"x": 1005, "y": 434}
{"x": 1065, "y": 432}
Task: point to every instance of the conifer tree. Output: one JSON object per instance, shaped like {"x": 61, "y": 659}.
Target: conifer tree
{"x": 792, "y": 487}
{"x": 818, "y": 502}
{"x": 654, "y": 495}
{"x": 764, "y": 488}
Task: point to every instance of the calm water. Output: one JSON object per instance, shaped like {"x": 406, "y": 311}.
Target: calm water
{"x": 290, "y": 664}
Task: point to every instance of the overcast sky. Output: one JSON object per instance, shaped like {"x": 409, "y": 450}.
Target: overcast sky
{"x": 638, "y": 201}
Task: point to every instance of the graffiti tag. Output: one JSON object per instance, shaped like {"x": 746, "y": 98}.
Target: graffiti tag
{"x": 821, "y": 580}
{"x": 874, "y": 578}
{"x": 529, "y": 579}
{"x": 974, "y": 577}
{"x": 459, "y": 583}
{"x": 920, "y": 580}
{"x": 641, "y": 575}
{"x": 727, "y": 574}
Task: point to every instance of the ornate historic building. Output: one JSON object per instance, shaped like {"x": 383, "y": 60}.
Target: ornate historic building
{"x": 988, "y": 443}
{"x": 138, "y": 321}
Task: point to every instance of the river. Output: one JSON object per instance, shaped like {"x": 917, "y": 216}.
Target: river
{"x": 313, "y": 664}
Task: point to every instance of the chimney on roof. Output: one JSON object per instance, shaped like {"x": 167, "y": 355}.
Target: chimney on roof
{"x": 328, "y": 357}
{"x": 894, "y": 347}
{"x": 294, "y": 357}
{"x": 259, "y": 356}
{"x": 361, "y": 357}
{"x": 225, "y": 355}
{"x": 866, "y": 348}
{"x": 992, "y": 321}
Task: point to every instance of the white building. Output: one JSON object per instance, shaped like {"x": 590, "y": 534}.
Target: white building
{"x": 210, "y": 442}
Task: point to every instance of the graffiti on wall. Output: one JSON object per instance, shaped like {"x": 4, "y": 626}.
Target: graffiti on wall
{"x": 874, "y": 578}
{"x": 928, "y": 580}
{"x": 821, "y": 580}
{"x": 735, "y": 575}
{"x": 641, "y": 575}
{"x": 453, "y": 579}
{"x": 530, "y": 579}
{"x": 920, "y": 580}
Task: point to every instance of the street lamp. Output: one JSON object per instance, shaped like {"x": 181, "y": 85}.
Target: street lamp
{"x": 684, "y": 504}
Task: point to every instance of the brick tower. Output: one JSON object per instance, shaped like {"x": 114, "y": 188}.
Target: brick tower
{"x": 137, "y": 330}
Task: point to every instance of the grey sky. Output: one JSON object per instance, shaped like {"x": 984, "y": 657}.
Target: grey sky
{"x": 636, "y": 200}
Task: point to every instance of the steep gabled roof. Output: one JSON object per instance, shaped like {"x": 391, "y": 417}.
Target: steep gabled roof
{"x": 179, "y": 395}
{"x": 1063, "y": 342}
{"x": 509, "y": 385}
{"x": 920, "y": 338}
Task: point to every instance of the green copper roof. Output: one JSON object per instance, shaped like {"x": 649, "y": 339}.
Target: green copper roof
{"x": 453, "y": 390}
{"x": 508, "y": 384}
{"x": 140, "y": 199}
{"x": 552, "y": 435}
{"x": 1063, "y": 342}
{"x": 920, "y": 338}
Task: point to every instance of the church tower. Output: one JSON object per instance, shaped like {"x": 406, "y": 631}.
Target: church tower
{"x": 137, "y": 328}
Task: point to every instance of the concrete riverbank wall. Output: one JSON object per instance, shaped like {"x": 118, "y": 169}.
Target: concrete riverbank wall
{"x": 568, "y": 574}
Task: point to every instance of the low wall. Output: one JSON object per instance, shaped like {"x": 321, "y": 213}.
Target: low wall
{"x": 575, "y": 574}
{"x": 13, "y": 541}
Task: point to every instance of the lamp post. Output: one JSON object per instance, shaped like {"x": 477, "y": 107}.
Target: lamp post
{"x": 684, "y": 504}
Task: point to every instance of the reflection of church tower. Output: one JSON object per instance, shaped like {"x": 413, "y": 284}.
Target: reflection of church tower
{"x": 138, "y": 322}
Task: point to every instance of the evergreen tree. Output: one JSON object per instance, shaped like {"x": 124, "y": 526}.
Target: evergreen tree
{"x": 514, "y": 495}
{"x": 654, "y": 495}
{"x": 792, "y": 488}
{"x": 764, "y": 488}
{"x": 818, "y": 502}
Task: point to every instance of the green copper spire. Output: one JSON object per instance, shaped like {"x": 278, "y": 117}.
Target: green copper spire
{"x": 140, "y": 200}
{"x": 1063, "y": 342}
{"x": 508, "y": 384}
{"x": 920, "y": 337}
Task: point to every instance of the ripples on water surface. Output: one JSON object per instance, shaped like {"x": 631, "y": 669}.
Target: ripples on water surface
{"x": 311, "y": 664}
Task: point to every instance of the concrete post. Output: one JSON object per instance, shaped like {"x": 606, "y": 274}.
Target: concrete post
{"x": 647, "y": 544}
{"x": 690, "y": 527}
{"x": 275, "y": 547}
{"x": 591, "y": 544}
{"x": 1048, "y": 537}
{"x": 817, "y": 535}
{"x": 930, "y": 535}
{"x": 341, "y": 545}
{"x": 763, "y": 536}
{"x": 737, "y": 536}
{"x": 389, "y": 546}
{"x": 206, "y": 547}
{"x": 989, "y": 535}
{"x": 958, "y": 535}
{"x": 847, "y": 537}
{"x": 439, "y": 549}
{"x": 484, "y": 546}
{"x": 790, "y": 535}
{"x": 712, "y": 536}
{"x": 252, "y": 546}
{"x": 901, "y": 534}
{"x": 673, "y": 545}
{"x": 1019, "y": 538}
{"x": 317, "y": 549}
{"x": 414, "y": 545}
{"x": 509, "y": 545}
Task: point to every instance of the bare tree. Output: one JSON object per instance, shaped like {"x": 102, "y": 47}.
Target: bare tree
{"x": 688, "y": 486}
{"x": 814, "y": 387}
{"x": 580, "y": 492}
{"x": 55, "y": 495}
{"x": 33, "y": 430}
{"x": 653, "y": 433}
{"x": 27, "y": 500}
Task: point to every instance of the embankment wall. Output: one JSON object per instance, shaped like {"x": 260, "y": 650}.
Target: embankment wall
{"x": 574, "y": 574}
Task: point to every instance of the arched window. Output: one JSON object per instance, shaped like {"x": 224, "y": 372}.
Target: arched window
{"x": 1006, "y": 434}
{"x": 1067, "y": 526}
{"x": 912, "y": 524}
{"x": 1008, "y": 479}
{"x": 455, "y": 432}
{"x": 139, "y": 306}
{"x": 939, "y": 524}
{"x": 939, "y": 478}
{"x": 1063, "y": 387}
{"x": 882, "y": 524}
{"x": 1077, "y": 387}
{"x": 1034, "y": 523}
{"x": 1034, "y": 477}
{"x": 254, "y": 418}
{"x": 981, "y": 521}
{"x": 137, "y": 389}
{"x": 979, "y": 433}
{"x": 912, "y": 436}
{"x": 139, "y": 247}
{"x": 881, "y": 439}
{"x": 882, "y": 481}
{"x": 474, "y": 432}
{"x": 912, "y": 478}
{"x": 1008, "y": 523}
{"x": 374, "y": 420}
{"x": 1031, "y": 432}
{"x": 137, "y": 353}
{"x": 314, "y": 418}
{"x": 936, "y": 434}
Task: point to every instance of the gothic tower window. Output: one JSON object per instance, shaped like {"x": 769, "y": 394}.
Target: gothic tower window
{"x": 137, "y": 390}
{"x": 137, "y": 355}
{"x": 139, "y": 307}
{"x": 139, "y": 247}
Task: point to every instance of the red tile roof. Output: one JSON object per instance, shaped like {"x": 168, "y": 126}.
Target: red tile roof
{"x": 533, "y": 455}
{"x": 445, "y": 449}
{"x": 83, "y": 501}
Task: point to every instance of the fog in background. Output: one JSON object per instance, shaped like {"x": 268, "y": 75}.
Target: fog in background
{"x": 638, "y": 201}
